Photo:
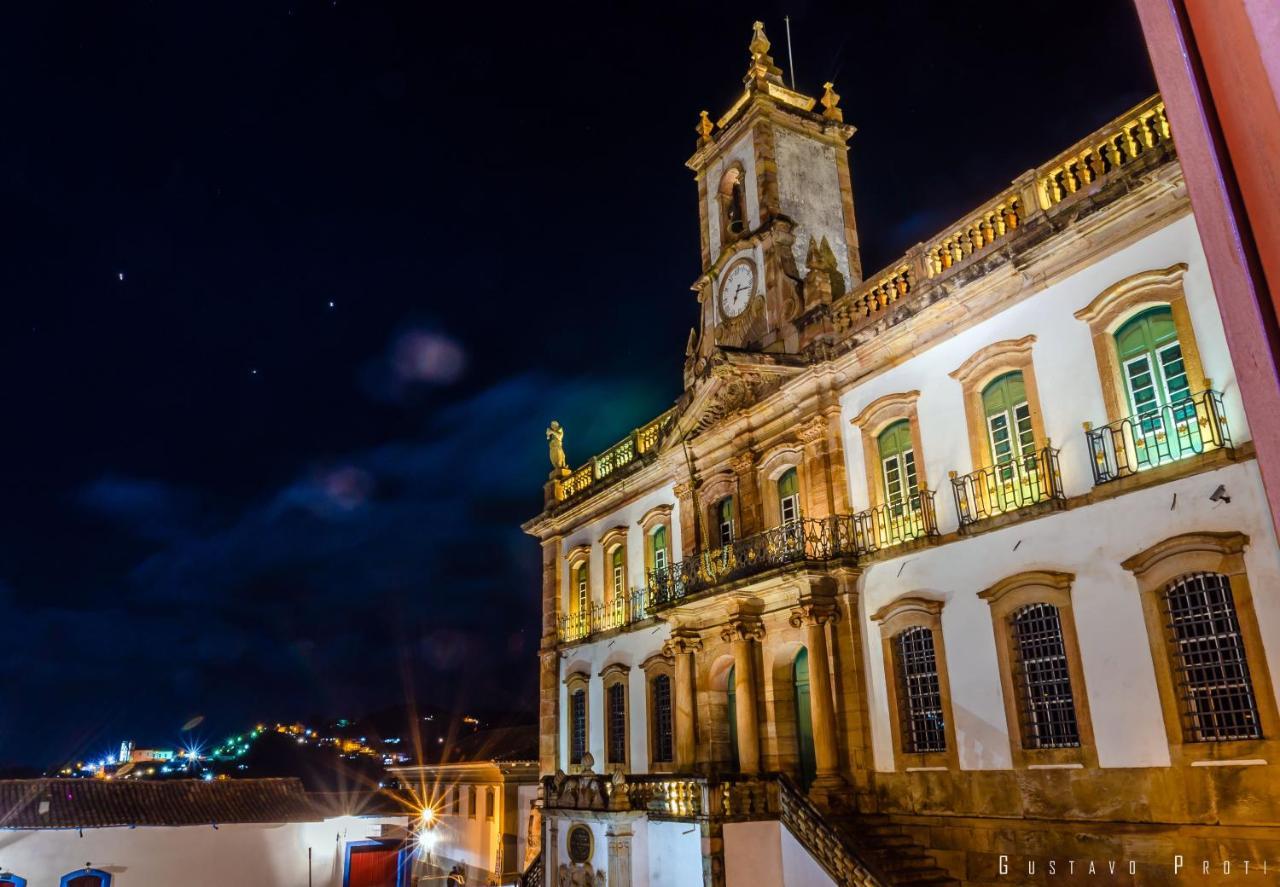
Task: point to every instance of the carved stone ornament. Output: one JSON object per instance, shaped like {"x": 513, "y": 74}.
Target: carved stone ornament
{"x": 814, "y": 429}
{"x": 683, "y": 490}
{"x": 579, "y": 876}
{"x": 682, "y": 642}
{"x": 555, "y": 444}
{"x": 742, "y": 629}
{"x": 814, "y": 613}
{"x": 743, "y": 462}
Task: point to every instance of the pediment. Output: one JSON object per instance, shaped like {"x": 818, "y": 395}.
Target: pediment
{"x": 730, "y": 381}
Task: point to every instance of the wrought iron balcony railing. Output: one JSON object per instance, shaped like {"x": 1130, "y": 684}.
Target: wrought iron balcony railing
{"x": 799, "y": 541}
{"x": 616, "y": 613}
{"x": 1000, "y": 489}
{"x": 1193, "y": 425}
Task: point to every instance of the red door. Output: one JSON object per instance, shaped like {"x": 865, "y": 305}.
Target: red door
{"x": 372, "y": 867}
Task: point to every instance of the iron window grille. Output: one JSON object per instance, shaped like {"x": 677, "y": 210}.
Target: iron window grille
{"x": 578, "y": 730}
{"x": 1209, "y": 659}
{"x": 617, "y": 720}
{"x": 472, "y": 803}
{"x": 457, "y": 800}
{"x": 1040, "y": 662}
{"x": 662, "y": 726}
{"x": 920, "y": 694}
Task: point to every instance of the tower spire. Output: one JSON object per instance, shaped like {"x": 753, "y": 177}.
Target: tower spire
{"x": 762, "y": 67}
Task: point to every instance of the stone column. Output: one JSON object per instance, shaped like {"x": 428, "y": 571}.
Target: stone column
{"x": 816, "y": 467}
{"x": 683, "y": 647}
{"x": 618, "y": 839}
{"x": 814, "y": 612}
{"x": 742, "y": 634}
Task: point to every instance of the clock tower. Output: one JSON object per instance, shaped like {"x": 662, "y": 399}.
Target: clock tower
{"x": 775, "y": 205}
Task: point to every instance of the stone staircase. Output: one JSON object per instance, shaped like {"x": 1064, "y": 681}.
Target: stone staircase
{"x": 896, "y": 856}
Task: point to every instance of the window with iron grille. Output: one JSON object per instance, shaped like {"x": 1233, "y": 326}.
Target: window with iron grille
{"x": 1209, "y": 659}
{"x": 490, "y": 804}
{"x": 472, "y": 804}
{"x": 1041, "y": 674}
{"x": 457, "y": 800}
{"x": 616, "y": 715}
{"x": 578, "y": 726}
{"x": 660, "y": 688}
{"x": 919, "y": 693}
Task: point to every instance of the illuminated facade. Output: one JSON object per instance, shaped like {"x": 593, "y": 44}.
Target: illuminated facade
{"x": 931, "y": 573}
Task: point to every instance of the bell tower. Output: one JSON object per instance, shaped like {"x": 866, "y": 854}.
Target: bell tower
{"x": 775, "y": 205}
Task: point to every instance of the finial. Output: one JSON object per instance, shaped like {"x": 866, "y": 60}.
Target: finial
{"x": 762, "y": 66}
{"x": 831, "y": 104}
{"x": 704, "y": 128}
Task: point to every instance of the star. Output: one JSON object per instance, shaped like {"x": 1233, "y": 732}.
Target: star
{"x": 120, "y": 275}
{"x": 253, "y": 372}
{"x": 331, "y": 303}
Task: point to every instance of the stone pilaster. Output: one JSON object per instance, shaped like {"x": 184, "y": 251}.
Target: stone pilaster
{"x": 549, "y": 659}
{"x": 618, "y": 840}
{"x": 850, "y": 687}
{"x": 750, "y": 505}
{"x": 743, "y": 634}
{"x": 689, "y": 530}
{"x": 683, "y": 648}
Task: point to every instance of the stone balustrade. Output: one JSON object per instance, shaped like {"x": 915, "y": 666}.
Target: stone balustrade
{"x": 599, "y": 468}
{"x": 1103, "y": 155}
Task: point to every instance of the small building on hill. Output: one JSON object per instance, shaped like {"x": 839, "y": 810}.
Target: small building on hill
{"x": 109, "y": 833}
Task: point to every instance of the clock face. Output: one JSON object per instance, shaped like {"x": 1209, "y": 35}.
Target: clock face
{"x": 738, "y": 287}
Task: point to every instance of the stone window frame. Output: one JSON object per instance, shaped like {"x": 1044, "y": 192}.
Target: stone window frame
{"x": 776, "y": 463}
{"x": 659, "y": 664}
{"x": 574, "y": 558}
{"x": 611, "y": 676}
{"x": 473, "y": 802}
{"x": 874, "y": 419}
{"x": 905, "y": 612}
{"x": 978, "y": 371}
{"x": 613, "y": 539}
{"x": 575, "y": 681}
{"x": 658, "y": 516}
{"x": 1119, "y": 302}
{"x": 1005, "y": 598}
{"x": 1205, "y": 552}
{"x": 711, "y": 495}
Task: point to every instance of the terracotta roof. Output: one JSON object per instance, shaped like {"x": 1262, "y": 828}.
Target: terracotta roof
{"x": 96, "y": 803}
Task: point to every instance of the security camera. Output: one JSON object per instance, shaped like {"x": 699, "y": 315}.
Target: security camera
{"x": 1220, "y": 495}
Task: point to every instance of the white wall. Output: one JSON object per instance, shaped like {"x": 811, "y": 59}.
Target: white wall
{"x": 757, "y": 853}
{"x": 253, "y": 854}
{"x": 674, "y": 854}
{"x": 809, "y": 192}
{"x": 1066, "y": 368}
{"x": 1090, "y": 542}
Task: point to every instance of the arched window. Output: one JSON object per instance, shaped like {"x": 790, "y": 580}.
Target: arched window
{"x": 490, "y": 803}
{"x": 724, "y": 520}
{"x": 658, "y": 547}
{"x": 804, "y": 719}
{"x": 472, "y": 804}
{"x": 577, "y": 726}
{"x": 86, "y": 878}
{"x": 618, "y": 572}
{"x": 661, "y": 726}
{"x": 1008, "y": 416}
{"x": 919, "y": 691}
{"x": 457, "y": 800}
{"x": 616, "y": 722}
{"x": 1209, "y": 657}
{"x": 1155, "y": 379}
{"x": 789, "y": 496}
{"x": 733, "y": 204}
{"x": 898, "y": 466}
{"x": 1041, "y": 668}
{"x": 581, "y": 590}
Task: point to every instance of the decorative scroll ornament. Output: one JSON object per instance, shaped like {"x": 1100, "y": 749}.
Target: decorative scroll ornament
{"x": 814, "y": 429}
{"x": 814, "y": 613}
{"x": 742, "y": 629}
{"x": 682, "y": 641}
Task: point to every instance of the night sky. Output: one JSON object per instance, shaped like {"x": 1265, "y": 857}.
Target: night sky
{"x": 291, "y": 290}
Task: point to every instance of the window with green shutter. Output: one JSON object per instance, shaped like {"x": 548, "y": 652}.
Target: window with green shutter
{"x": 1155, "y": 373}
{"x": 724, "y": 519}
{"x": 619, "y": 566}
{"x": 658, "y": 541}
{"x": 789, "y": 497}
{"x": 582, "y": 591}
{"x": 1008, "y": 417}
{"x": 898, "y": 466}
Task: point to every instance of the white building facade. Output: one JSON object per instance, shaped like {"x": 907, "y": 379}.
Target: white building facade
{"x": 935, "y": 575}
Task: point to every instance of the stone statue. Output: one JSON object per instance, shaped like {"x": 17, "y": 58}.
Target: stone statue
{"x": 555, "y": 440}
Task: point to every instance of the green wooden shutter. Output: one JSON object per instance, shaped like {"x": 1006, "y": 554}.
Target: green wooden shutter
{"x": 898, "y": 464}
{"x": 1008, "y": 418}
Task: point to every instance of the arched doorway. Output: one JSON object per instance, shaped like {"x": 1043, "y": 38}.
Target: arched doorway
{"x": 804, "y": 719}
{"x": 732, "y": 711}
